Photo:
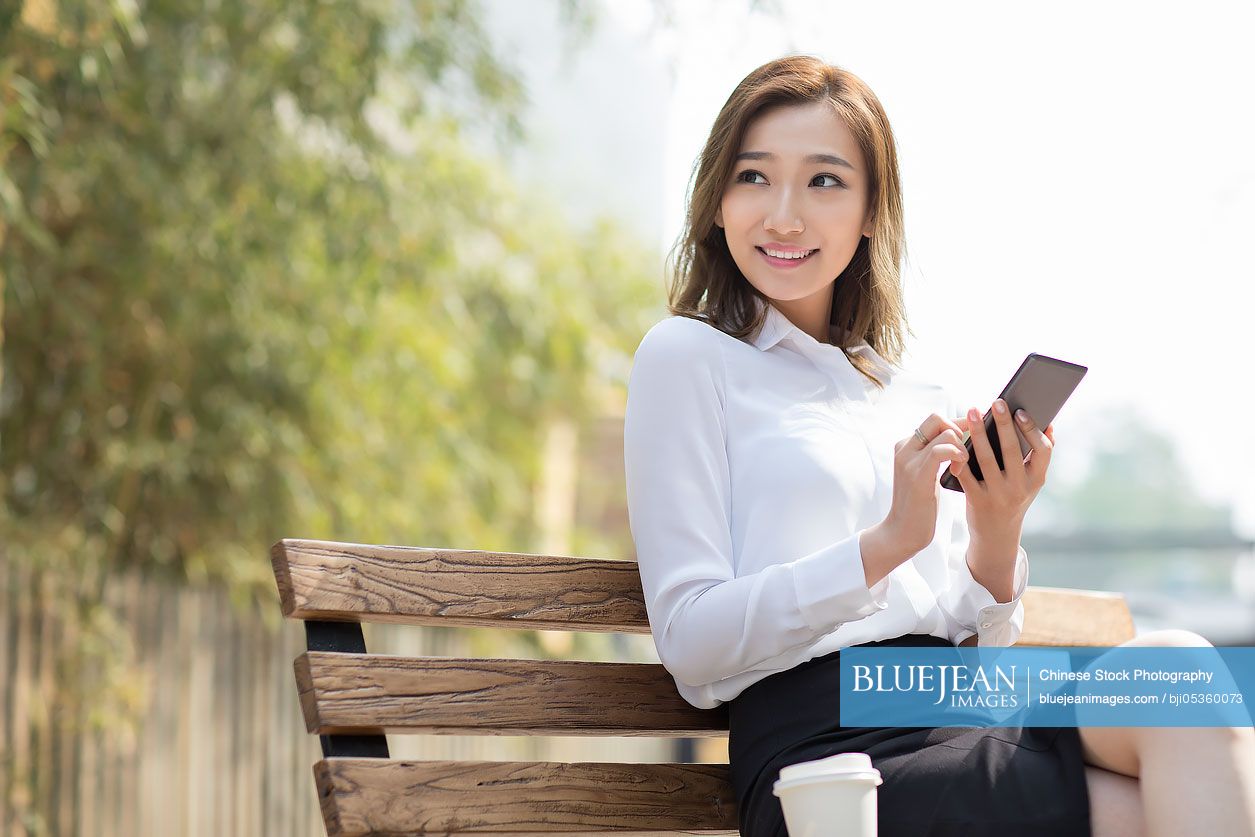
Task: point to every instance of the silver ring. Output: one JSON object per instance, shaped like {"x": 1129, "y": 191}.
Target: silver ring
{"x": 923, "y": 440}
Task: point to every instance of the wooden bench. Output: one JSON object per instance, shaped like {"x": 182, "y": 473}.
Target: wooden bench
{"x": 351, "y": 698}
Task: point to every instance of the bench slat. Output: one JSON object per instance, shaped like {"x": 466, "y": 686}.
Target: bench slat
{"x": 1055, "y": 616}
{"x": 450, "y": 587}
{"x": 369, "y": 693}
{"x": 355, "y": 693}
{"x": 369, "y": 796}
{"x": 365, "y": 693}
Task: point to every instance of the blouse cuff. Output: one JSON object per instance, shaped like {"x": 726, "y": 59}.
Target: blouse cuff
{"x": 996, "y": 623}
{"x": 831, "y": 586}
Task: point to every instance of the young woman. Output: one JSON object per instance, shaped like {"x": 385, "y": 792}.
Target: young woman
{"x": 782, "y": 477}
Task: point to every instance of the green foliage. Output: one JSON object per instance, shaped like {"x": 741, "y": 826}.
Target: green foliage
{"x": 257, "y": 287}
{"x": 1135, "y": 481}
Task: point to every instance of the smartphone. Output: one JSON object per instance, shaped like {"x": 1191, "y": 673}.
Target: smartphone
{"x": 1039, "y": 387}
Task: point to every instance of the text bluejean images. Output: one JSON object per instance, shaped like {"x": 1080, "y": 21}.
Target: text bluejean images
{"x": 1065, "y": 686}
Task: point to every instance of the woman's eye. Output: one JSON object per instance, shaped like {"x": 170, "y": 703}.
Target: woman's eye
{"x": 744, "y": 176}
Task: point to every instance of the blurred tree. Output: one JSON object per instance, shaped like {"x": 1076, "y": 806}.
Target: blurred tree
{"x": 254, "y": 286}
{"x": 1133, "y": 481}
{"x": 1137, "y": 481}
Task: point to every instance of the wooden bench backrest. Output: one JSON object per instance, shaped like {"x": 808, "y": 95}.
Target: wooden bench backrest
{"x": 351, "y": 698}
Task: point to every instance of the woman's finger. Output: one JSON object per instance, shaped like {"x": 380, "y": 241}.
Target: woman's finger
{"x": 1012, "y": 456}
{"x": 971, "y": 486}
{"x": 946, "y": 445}
{"x": 1035, "y": 437}
{"x": 980, "y": 444}
{"x": 933, "y": 426}
{"x": 1043, "y": 443}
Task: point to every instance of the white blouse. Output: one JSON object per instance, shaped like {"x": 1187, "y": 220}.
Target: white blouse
{"x": 752, "y": 467}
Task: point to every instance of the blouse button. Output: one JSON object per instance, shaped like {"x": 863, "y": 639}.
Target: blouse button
{"x": 986, "y": 624}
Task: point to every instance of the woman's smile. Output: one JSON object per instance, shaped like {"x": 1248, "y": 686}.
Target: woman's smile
{"x": 785, "y": 264}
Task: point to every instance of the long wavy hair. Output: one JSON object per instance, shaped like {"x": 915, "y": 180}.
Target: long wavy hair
{"x": 705, "y": 282}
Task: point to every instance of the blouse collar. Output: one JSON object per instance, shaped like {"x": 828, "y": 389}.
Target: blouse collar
{"x": 777, "y": 327}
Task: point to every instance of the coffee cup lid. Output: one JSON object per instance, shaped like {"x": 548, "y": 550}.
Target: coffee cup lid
{"x": 842, "y": 765}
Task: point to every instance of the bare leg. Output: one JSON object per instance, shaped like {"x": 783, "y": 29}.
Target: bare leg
{"x": 1115, "y": 804}
{"x": 1197, "y": 780}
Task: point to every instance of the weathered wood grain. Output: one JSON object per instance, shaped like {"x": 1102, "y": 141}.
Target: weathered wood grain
{"x": 451, "y": 587}
{"x": 446, "y": 587}
{"x": 369, "y": 693}
{"x": 394, "y": 797}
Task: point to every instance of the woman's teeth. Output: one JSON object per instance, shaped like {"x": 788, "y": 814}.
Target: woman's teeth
{"x": 794, "y": 255}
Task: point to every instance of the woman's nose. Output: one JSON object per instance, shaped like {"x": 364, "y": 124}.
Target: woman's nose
{"x": 784, "y": 224}
{"x": 784, "y": 217}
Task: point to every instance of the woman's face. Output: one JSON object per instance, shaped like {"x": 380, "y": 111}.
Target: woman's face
{"x": 779, "y": 197}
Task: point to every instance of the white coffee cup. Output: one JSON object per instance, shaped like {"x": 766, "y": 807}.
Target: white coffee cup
{"x": 829, "y": 797}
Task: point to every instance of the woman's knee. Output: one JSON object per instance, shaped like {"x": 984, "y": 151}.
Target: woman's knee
{"x": 1120, "y": 749}
{"x": 1169, "y": 637}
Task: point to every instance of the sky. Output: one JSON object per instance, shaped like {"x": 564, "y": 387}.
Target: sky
{"x": 1077, "y": 182}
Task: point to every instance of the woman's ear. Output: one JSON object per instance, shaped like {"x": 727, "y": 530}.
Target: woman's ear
{"x": 719, "y": 217}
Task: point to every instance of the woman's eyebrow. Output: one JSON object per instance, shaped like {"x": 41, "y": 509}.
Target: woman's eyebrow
{"x": 831, "y": 159}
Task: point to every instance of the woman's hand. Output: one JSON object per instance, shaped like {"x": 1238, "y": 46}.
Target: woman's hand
{"x": 996, "y": 505}
{"x": 912, "y": 518}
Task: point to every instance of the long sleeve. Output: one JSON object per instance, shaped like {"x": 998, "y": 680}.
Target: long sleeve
{"x": 707, "y": 623}
{"x": 968, "y": 606}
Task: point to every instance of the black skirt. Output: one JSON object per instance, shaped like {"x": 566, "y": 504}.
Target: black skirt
{"x": 942, "y": 781}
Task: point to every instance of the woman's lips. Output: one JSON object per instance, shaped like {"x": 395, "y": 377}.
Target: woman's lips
{"x": 785, "y": 264}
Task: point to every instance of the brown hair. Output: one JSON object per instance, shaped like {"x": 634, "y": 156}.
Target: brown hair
{"x": 867, "y": 300}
